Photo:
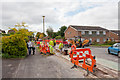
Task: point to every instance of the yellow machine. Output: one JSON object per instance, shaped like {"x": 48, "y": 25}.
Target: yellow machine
{"x": 86, "y": 41}
{"x": 78, "y": 44}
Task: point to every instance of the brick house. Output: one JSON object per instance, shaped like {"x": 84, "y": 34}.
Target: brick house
{"x": 93, "y": 33}
{"x": 115, "y": 35}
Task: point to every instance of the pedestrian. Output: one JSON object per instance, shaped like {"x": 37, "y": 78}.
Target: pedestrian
{"x": 29, "y": 45}
{"x": 33, "y": 47}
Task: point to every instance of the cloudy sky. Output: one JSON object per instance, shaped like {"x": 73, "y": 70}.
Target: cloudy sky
{"x": 58, "y": 13}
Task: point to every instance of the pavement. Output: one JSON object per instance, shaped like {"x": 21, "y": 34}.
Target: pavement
{"x": 38, "y": 66}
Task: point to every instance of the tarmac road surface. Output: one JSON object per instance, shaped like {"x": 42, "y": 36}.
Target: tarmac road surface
{"x": 38, "y": 66}
{"x": 103, "y": 54}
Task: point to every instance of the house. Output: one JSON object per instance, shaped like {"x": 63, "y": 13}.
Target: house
{"x": 116, "y": 34}
{"x": 93, "y": 33}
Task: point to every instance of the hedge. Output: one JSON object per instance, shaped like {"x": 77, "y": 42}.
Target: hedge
{"x": 58, "y": 37}
{"x": 13, "y": 46}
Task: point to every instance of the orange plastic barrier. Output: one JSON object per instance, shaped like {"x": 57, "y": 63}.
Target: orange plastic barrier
{"x": 58, "y": 41}
{"x": 44, "y": 48}
{"x": 38, "y": 42}
{"x": 47, "y": 40}
{"x": 79, "y": 57}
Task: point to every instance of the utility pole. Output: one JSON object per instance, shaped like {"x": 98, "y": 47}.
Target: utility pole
{"x": 43, "y": 25}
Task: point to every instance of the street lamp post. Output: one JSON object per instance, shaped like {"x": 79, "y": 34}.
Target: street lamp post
{"x": 43, "y": 25}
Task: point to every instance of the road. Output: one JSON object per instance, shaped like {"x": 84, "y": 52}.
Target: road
{"x": 105, "y": 59}
{"x": 38, "y": 66}
{"x": 103, "y": 54}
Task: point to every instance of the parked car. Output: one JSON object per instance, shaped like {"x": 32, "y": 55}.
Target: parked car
{"x": 114, "y": 49}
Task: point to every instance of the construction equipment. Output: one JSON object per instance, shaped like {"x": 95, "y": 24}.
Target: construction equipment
{"x": 82, "y": 58}
{"x": 78, "y": 42}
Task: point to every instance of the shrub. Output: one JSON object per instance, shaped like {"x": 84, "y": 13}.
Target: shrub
{"x": 58, "y": 37}
{"x": 95, "y": 43}
{"x": 109, "y": 43}
{"x": 13, "y": 46}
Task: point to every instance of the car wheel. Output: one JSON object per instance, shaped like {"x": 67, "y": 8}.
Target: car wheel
{"x": 119, "y": 54}
{"x": 108, "y": 51}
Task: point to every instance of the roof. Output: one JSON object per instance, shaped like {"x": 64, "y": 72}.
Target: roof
{"x": 78, "y": 28}
{"x": 116, "y": 31}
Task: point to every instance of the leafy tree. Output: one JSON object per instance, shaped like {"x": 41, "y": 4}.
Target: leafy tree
{"x": 41, "y": 36}
{"x": 58, "y": 37}
{"x": 20, "y": 25}
{"x": 54, "y": 35}
{"x": 61, "y": 31}
{"x": 38, "y": 34}
{"x": 49, "y": 31}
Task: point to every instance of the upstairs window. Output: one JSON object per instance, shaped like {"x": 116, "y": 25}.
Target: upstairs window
{"x": 104, "y": 32}
{"x": 82, "y": 32}
{"x": 90, "y": 32}
{"x": 90, "y": 39}
{"x": 98, "y": 32}
{"x": 69, "y": 32}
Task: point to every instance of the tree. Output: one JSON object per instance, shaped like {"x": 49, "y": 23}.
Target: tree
{"x": 41, "y": 36}
{"x": 38, "y": 34}
{"x": 20, "y": 25}
{"x": 58, "y": 37}
{"x": 62, "y": 29}
{"x": 54, "y": 35}
{"x": 49, "y": 31}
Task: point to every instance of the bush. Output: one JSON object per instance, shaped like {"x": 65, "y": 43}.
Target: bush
{"x": 13, "y": 46}
{"x": 58, "y": 37}
{"x": 95, "y": 43}
{"x": 109, "y": 43}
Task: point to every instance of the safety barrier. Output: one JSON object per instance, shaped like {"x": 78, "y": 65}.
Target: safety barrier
{"x": 44, "y": 48}
{"x": 83, "y": 58}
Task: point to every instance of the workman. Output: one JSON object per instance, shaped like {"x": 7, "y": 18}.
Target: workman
{"x": 51, "y": 43}
{"x": 61, "y": 46}
{"x": 51, "y": 49}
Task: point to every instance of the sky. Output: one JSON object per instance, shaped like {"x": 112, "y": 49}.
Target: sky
{"x": 103, "y": 13}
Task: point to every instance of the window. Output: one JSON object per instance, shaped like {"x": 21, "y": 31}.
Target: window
{"x": 98, "y": 40}
{"x": 104, "y": 40}
{"x": 69, "y": 32}
{"x": 83, "y": 32}
{"x": 98, "y": 32}
{"x": 90, "y": 39}
{"x": 115, "y": 45}
{"x": 104, "y": 32}
{"x": 112, "y": 39}
{"x": 90, "y": 32}
{"x": 82, "y": 39}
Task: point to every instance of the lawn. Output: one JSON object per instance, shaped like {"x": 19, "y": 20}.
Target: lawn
{"x": 101, "y": 45}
